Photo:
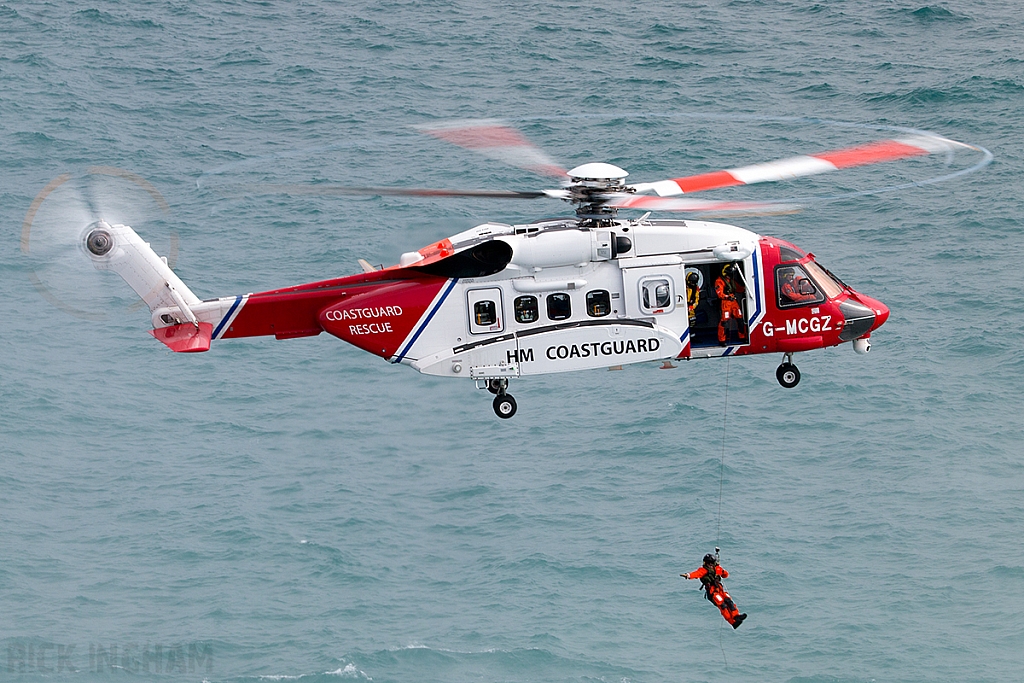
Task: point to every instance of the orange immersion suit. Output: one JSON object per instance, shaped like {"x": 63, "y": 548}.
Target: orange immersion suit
{"x": 716, "y": 593}
{"x": 726, "y": 290}
{"x": 790, "y": 292}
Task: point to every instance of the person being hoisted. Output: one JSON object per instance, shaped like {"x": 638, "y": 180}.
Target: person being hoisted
{"x": 711, "y": 575}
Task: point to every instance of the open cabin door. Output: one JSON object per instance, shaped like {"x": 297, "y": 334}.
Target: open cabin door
{"x": 718, "y": 303}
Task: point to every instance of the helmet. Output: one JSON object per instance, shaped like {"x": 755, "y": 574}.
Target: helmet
{"x": 709, "y": 559}
{"x": 692, "y": 279}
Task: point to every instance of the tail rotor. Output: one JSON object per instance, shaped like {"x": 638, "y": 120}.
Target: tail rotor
{"x": 67, "y": 227}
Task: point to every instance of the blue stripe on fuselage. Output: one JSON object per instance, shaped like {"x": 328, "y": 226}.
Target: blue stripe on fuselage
{"x": 757, "y": 291}
{"x": 226, "y": 318}
{"x": 426, "y": 321}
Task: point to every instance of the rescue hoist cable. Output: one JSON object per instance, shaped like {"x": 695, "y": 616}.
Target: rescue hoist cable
{"x": 721, "y": 482}
{"x": 721, "y": 475}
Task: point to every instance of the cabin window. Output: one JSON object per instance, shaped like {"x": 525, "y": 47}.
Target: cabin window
{"x": 795, "y": 288}
{"x": 599, "y": 303}
{"x": 485, "y": 312}
{"x": 526, "y": 309}
{"x": 559, "y": 306}
{"x": 656, "y": 295}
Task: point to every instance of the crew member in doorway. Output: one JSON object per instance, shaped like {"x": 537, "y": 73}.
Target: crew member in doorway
{"x": 791, "y": 292}
{"x": 711, "y": 575}
{"x": 692, "y": 295}
{"x": 729, "y": 288}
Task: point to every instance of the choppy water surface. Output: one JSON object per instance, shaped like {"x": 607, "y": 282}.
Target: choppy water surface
{"x": 303, "y": 510}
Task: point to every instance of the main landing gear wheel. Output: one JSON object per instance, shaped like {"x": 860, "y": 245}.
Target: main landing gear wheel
{"x": 788, "y": 375}
{"x": 504, "y": 406}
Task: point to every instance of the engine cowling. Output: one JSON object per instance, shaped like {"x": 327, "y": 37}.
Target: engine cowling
{"x": 557, "y": 248}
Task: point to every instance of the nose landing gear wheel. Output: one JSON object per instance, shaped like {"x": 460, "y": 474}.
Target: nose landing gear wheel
{"x": 788, "y": 375}
{"x": 504, "y": 406}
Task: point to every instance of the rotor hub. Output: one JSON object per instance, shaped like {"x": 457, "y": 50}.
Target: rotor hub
{"x": 99, "y": 241}
{"x": 598, "y": 175}
{"x": 591, "y": 183}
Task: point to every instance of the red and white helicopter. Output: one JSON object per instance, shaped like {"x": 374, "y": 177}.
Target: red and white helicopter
{"x": 594, "y": 290}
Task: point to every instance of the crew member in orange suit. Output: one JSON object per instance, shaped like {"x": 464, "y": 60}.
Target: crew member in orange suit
{"x": 729, "y": 288}
{"x": 711, "y": 575}
{"x": 790, "y": 291}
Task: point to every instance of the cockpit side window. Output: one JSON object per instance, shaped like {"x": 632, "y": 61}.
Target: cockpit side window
{"x": 795, "y": 288}
{"x": 789, "y": 254}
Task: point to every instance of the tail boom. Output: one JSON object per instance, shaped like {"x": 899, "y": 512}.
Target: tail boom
{"x": 180, "y": 319}
{"x": 185, "y": 324}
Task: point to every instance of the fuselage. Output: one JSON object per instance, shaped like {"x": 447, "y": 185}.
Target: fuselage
{"x": 501, "y": 301}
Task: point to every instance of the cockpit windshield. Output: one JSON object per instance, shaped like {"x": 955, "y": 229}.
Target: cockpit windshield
{"x": 824, "y": 279}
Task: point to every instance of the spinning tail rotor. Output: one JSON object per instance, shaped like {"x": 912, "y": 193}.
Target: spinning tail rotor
{"x": 63, "y": 223}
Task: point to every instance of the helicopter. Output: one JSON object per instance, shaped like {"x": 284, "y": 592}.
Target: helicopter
{"x": 591, "y": 290}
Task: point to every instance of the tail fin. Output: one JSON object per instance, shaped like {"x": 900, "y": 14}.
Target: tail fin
{"x": 120, "y": 249}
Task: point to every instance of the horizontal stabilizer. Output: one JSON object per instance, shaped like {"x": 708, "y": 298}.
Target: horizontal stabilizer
{"x": 185, "y": 338}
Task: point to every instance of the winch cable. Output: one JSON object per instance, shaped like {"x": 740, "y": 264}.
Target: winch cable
{"x": 721, "y": 483}
{"x": 721, "y": 474}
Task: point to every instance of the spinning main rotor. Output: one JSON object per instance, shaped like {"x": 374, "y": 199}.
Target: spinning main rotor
{"x": 597, "y": 190}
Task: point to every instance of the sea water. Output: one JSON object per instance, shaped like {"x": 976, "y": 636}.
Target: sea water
{"x": 277, "y": 510}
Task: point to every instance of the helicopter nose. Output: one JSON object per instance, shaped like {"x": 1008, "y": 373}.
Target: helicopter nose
{"x": 882, "y": 315}
{"x": 861, "y": 315}
{"x": 880, "y": 310}
{"x": 858, "y": 319}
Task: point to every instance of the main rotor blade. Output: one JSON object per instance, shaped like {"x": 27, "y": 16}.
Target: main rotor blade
{"x": 806, "y": 165}
{"x": 648, "y": 203}
{"x": 341, "y": 190}
{"x": 494, "y": 139}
